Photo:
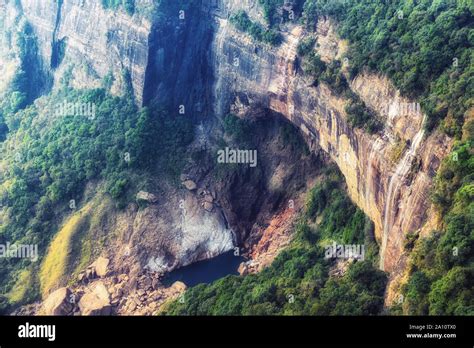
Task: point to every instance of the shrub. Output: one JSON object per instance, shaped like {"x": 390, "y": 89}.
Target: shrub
{"x": 243, "y": 23}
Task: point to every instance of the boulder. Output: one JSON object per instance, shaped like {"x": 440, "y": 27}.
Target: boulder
{"x": 190, "y": 185}
{"x": 117, "y": 294}
{"x": 147, "y": 197}
{"x": 178, "y": 287}
{"x": 243, "y": 268}
{"x": 101, "y": 266}
{"x": 208, "y": 206}
{"x": 96, "y": 301}
{"x": 208, "y": 198}
{"x": 58, "y": 303}
{"x": 155, "y": 284}
{"x": 131, "y": 307}
{"x": 146, "y": 283}
{"x": 90, "y": 272}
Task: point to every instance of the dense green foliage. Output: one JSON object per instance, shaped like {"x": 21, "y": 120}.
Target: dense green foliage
{"x": 314, "y": 66}
{"x": 244, "y": 132}
{"x": 49, "y": 157}
{"x": 237, "y": 128}
{"x": 298, "y": 281}
{"x": 426, "y": 47}
{"x": 305, "y": 46}
{"x": 54, "y": 166}
{"x": 242, "y": 22}
{"x": 275, "y": 13}
{"x": 359, "y": 115}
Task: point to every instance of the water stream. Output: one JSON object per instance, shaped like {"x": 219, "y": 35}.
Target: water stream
{"x": 402, "y": 169}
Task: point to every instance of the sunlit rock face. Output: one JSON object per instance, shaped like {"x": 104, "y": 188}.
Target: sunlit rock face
{"x": 392, "y": 186}
{"x": 170, "y": 234}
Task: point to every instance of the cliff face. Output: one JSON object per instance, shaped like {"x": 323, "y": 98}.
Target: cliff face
{"x": 204, "y": 64}
{"x": 92, "y": 41}
{"x": 8, "y": 60}
{"x": 160, "y": 56}
{"x": 178, "y": 73}
{"x": 391, "y": 185}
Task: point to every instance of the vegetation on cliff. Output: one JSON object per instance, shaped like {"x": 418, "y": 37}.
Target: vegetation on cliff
{"x": 425, "y": 47}
{"x": 70, "y": 138}
{"x": 128, "y": 5}
{"x": 48, "y": 158}
{"x": 242, "y": 22}
{"x": 275, "y": 12}
{"x": 403, "y": 40}
{"x": 358, "y": 114}
{"x": 28, "y": 80}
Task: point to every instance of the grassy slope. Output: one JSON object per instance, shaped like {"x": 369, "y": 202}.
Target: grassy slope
{"x": 55, "y": 264}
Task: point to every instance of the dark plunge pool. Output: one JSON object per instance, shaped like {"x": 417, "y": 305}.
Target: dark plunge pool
{"x": 205, "y": 271}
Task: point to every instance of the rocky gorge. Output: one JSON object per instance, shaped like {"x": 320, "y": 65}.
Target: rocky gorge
{"x": 204, "y": 64}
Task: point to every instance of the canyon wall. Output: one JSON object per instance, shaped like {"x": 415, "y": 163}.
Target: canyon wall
{"x": 166, "y": 58}
{"x": 388, "y": 175}
{"x": 178, "y": 74}
{"x": 93, "y": 42}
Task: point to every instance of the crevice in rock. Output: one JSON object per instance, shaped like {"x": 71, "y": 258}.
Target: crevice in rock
{"x": 57, "y": 46}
